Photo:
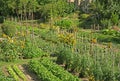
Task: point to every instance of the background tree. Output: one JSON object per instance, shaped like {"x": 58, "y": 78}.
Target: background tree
{"x": 106, "y": 13}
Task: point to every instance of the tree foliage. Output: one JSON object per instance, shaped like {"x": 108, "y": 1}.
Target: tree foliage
{"x": 105, "y": 12}
{"x": 24, "y": 9}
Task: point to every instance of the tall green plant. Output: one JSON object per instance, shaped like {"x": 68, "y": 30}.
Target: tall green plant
{"x": 115, "y": 18}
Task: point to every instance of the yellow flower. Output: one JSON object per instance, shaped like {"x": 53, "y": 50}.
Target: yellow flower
{"x": 11, "y": 41}
{"x": 91, "y": 78}
{"x": 110, "y": 45}
{"x": 94, "y": 40}
{"x": 22, "y": 33}
{"x": 4, "y": 35}
{"x": 22, "y": 46}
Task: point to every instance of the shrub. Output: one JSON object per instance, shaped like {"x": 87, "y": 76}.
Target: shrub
{"x": 30, "y": 50}
{"x": 66, "y": 57}
{"x": 64, "y": 23}
{"x": 110, "y": 32}
{"x": 76, "y": 65}
{"x": 9, "y": 29}
{"x": 62, "y": 55}
{"x": 106, "y": 23}
{"x": 115, "y": 18}
{"x": 9, "y": 50}
{"x": 68, "y": 38}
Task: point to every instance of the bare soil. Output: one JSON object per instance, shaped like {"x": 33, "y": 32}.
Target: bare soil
{"x": 4, "y": 70}
{"x": 29, "y": 75}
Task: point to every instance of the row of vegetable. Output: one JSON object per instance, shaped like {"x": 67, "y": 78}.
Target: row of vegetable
{"x": 16, "y": 73}
{"x": 49, "y": 71}
{"x": 12, "y": 73}
{"x": 5, "y": 78}
{"x": 19, "y": 72}
{"x": 58, "y": 71}
{"x": 42, "y": 72}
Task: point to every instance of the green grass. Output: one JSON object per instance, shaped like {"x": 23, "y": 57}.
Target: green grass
{"x": 19, "y": 61}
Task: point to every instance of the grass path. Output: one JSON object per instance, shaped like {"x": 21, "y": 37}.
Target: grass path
{"x": 19, "y": 61}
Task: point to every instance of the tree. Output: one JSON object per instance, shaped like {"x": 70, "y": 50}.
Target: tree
{"x": 53, "y": 8}
{"x": 32, "y": 7}
{"x": 4, "y": 11}
{"x": 103, "y": 11}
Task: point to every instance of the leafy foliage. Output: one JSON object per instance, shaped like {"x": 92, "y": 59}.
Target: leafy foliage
{"x": 58, "y": 71}
{"x": 4, "y": 78}
{"x": 9, "y": 50}
{"x": 64, "y": 23}
{"x": 9, "y": 29}
{"x": 12, "y": 73}
{"x": 110, "y": 32}
{"x": 103, "y": 12}
{"x": 19, "y": 72}
{"x": 42, "y": 72}
{"x": 31, "y": 51}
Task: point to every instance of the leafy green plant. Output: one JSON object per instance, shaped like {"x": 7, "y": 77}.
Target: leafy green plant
{"x": 109, "y": 32}
{"x": 4, "y": 78}
{"x": 12, "y": 73}
{"x": 58, "y": 71}
{"x": 9, "y": 50}
{"x": 106, "y": 23}
{"x": 9, "y": 29}
{"x": 62, "y": 55}
{"x": 115, "y": 18}
{"x": 19, "y": 72}
{"x": 42, "y": 72}
{"x": 64, "y": 23}
{"x": 76, "y": 65}
{"x": 117, "y": 75}
{"x": 31, "y": 51}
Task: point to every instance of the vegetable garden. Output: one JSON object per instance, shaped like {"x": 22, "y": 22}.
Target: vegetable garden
{"x": 79, "y": 53}
{"x": 59, "y": 40}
